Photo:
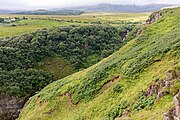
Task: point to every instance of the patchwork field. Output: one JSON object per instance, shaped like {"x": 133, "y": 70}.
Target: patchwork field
{"x": 27, "y": 26}
{"x": 35, "y": 22}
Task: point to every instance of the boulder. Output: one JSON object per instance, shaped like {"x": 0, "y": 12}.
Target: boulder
{"x": 10, "y": 107}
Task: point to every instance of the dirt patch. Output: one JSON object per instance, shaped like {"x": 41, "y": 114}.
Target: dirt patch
{"x": 108, "y": 84}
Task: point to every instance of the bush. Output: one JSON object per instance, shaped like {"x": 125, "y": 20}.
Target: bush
{"x": 144, "y": 102}
{"x": 116, "y": 111}
{"x": 118, "y": 88}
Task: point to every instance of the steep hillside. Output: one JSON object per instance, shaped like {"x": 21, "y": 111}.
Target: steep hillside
{"x": 138, "y": 82}
{"x": 31, "y": 61}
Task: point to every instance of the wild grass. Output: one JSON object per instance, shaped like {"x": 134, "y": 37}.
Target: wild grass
{"x": 136, "y": 64}
{"x": 57, "y": 66}
{"x": 28, "y": 26}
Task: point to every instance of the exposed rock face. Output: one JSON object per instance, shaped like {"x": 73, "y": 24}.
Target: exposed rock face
{"x": 159, "y": 87}
{"x": 9, "y": 107}
{"x": 127, "y": 33}
{"x": 177, "y": 105}
{"x": 174, "y": 113}
{"x": 153, "y": 89}
{"x": 139, "y": 32}
{"x": 154, "y": 17}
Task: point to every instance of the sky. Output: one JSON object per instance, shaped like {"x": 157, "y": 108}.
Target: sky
{"x": 48, "y": 4}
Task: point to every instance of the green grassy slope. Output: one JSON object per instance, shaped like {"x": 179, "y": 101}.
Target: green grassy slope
{"x": 106, "y": 89}
{"x": 57, "y": 65}
{"x": 28, "y": 26}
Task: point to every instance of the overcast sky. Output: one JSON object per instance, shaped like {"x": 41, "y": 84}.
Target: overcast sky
{"x": 35, "y": 4}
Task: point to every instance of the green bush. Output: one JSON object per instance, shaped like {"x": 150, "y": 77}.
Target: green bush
{"x": 144, "y": 102}
{"x": 116, "y": 111}
{"x": 22, "y": 83}
{"x": 118, "y": 88}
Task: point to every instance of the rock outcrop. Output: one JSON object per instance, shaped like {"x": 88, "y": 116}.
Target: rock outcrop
{"x": 10, "y": 107}
{"x": 154, "y": 17}
{"x": 160, "y": 86}
{"x": 127, "y": 33}
{"x": 174, "y": 113}
{"x": 160, "y": 89}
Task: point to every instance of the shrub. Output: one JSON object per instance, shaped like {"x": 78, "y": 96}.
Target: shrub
{"x": 118, "y": 88}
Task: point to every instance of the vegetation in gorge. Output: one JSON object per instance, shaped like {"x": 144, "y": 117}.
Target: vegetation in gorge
{"x": 74, "y": 47}
{"x": 137, "y": 64}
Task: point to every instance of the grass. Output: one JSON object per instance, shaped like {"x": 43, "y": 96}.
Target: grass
{"x": 28, "y": 26}
{"x": 95, "y": 16}
{"x": 32, "y": 24}
{"x": 137, "y": 67}
{"x": 115, "y": 16}
{"x": 157, "y": 112}
{"x": 57, "y": 66}
{"x": 97, "y": 108}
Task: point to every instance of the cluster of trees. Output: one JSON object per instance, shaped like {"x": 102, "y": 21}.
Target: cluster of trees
{"x": 11, "y": 19}
{"x": 22, "y": 82}
{"x": 20, "y": 55}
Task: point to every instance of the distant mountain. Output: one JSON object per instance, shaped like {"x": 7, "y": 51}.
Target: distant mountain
{"x": 51, "y": 12}
{"x": 5, "y": 11}
{"x": 103, "y": 7}
{"x": 2, "y": 11}
{"x": 106, "y": 7}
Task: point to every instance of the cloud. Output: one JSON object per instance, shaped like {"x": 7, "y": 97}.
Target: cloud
{"x": 32, "y": 4}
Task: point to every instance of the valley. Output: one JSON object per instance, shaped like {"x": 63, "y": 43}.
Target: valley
{"x": 48, "y": 50}
{"x": 96, "y": 65}
{"x": 149, "y": 59}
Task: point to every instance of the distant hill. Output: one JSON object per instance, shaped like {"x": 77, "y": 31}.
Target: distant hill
{"x": 106, "y": 7}
{"x": 3, "y": 11}
{"x": 103, "y": 7}
{"x": 51, "y": 12}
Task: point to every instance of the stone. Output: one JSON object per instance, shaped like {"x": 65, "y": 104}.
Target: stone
{"x": 161, "y": 94}
{"x": 176, "y": 101}
{"x": 10, "y": 107}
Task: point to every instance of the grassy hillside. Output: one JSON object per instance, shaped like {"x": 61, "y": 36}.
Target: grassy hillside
{"x": 31, "y": 61}
{"x": 116, "y": 87}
